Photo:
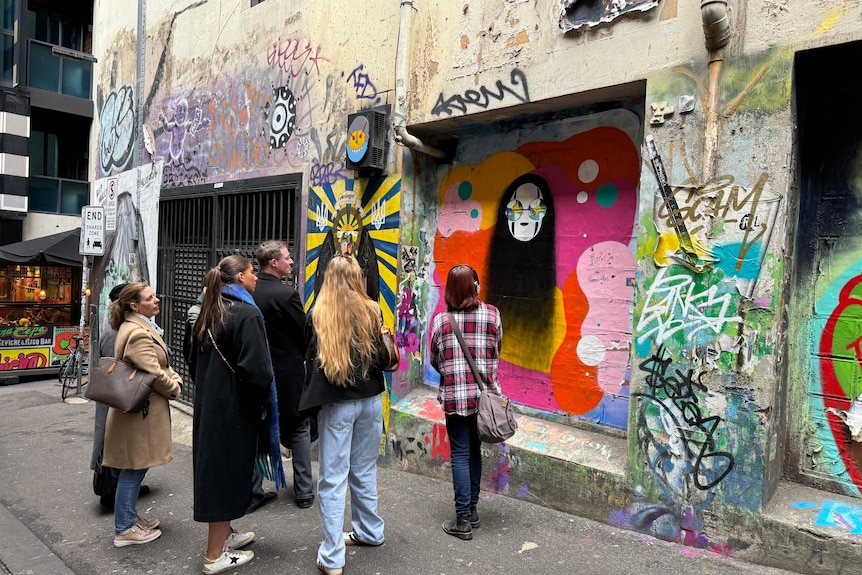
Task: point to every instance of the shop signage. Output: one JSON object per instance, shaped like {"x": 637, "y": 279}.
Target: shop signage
{"x": 15, "y": 359}
{"x": 25, "y": 336}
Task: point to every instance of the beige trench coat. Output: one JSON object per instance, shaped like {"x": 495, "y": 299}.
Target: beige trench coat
{"x": 133, "y": 441}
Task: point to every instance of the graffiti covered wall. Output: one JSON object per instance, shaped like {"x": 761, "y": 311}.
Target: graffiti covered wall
{"x": 705, "y": 316}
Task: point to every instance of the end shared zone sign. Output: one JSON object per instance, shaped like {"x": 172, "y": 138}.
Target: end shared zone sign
{"x": 92, "y": 231}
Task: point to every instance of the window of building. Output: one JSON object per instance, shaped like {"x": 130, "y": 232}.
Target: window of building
{"x": 7, "y": 39}
{"x": 256, "y": 2}
{"x": 58, "y": 162}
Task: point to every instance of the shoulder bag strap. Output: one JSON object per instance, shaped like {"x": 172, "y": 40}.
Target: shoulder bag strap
{"x": 466, "y": 351}
{"x": 224, "y": 359}
{"x": 122, "y": 351}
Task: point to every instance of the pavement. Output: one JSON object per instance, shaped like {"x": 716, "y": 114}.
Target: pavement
{"x": 51, "y": 523}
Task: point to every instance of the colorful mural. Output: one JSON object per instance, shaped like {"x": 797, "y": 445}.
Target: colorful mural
{"x": 360, "y": 218}
{"x": 548, "y": 227}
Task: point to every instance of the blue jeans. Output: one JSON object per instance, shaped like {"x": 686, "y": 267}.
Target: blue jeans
{"x": 126, "y": 501}
{"x": 466, "y": 456}
{"x": 349, "y": 440}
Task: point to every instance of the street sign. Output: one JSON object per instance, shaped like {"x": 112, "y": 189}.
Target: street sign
{"x": 110, "y": 204}
{"x": 92, "y": 231}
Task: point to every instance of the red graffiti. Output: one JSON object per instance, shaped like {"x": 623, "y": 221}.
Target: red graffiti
{"x": 841, "y": 366}
{"x": 292, "y": 57}
{"x": 32, "y": 360}
{"x": 440, "y": 443}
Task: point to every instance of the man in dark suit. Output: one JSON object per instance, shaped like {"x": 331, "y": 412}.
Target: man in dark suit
{"x": 285, "y": 329}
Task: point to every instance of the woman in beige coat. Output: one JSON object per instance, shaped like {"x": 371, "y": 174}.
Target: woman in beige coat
{"x": 134, "y": 442}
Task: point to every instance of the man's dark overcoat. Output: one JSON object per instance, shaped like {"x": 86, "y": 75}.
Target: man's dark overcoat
{"x": 285, "y": 328}
{"x": 227, "y": 417}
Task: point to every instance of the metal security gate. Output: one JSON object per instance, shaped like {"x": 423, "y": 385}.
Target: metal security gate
{"x": 200, "y": 225}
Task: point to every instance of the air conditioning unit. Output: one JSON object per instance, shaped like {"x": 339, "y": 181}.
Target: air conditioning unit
{"x": 10, "y": 203}
{"x": 366, "y": 141}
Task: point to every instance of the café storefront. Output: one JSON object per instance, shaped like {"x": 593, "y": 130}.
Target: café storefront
{"x": 40, "y": 301}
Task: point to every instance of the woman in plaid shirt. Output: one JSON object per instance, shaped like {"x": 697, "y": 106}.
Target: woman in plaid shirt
{"x": 458, "y": 393}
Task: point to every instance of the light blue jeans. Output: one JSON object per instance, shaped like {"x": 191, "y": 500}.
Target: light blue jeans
{"x": 126, "y": 500}
{"x": 349, "y": 439}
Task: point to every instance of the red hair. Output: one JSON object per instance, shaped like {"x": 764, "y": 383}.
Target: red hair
{"x": 461, "y": 288}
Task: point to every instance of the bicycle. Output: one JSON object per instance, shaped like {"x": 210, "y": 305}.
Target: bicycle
{"x": 68, "y": 374}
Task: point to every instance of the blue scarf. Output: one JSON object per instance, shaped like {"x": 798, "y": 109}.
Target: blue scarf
{"x": 269, "y": 464}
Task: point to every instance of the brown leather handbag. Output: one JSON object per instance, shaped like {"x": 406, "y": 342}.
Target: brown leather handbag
{"x": 119, "y": 384}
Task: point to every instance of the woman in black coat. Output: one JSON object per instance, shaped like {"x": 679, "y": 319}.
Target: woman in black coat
{"x": 234, "y": 398}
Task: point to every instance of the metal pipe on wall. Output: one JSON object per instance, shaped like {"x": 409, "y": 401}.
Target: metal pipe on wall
{"x": 402, "y": 69}
{"x": 716, "y": 31}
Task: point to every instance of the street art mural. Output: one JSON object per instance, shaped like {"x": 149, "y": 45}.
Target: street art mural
{"x": 547, "y": 226}
{"x": 131, "y": 201}
{"x": 360, "y": 218}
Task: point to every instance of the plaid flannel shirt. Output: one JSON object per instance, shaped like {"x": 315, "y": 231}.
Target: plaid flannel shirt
{"x": 483, "y": 334}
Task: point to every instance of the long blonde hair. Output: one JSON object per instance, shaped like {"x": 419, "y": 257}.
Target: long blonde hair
{"x": 346, "y": 321}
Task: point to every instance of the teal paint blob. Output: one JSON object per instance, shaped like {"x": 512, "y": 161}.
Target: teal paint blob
{"x": 607, "y": 195}
{"x": 465, "y": 190}
{"x": 728, "y": 253}
{"x": 474, "y": 213}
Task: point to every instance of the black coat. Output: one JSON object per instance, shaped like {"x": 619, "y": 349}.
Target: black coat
{"x": 285, "y": 323}
{"x": 227, "y": 417}
{"x": 318, "y": 391}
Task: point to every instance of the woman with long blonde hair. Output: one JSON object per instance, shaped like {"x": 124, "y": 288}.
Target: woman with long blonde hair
{"x": 344, "y": 382}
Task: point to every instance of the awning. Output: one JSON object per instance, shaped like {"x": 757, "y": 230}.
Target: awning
{"x": 59, "y": 248}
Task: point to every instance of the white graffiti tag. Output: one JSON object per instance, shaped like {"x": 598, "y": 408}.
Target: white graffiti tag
{"x": 672, "y": 305}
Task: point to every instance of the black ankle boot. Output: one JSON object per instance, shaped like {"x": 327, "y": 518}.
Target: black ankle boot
{"x": 474, "y": 517}
{"x": 460, "y": 527}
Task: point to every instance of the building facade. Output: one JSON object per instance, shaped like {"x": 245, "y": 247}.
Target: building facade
{"x": 47, "y": 112}
{"x": 641, "y": 186}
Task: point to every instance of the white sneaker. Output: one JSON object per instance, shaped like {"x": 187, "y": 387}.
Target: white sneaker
{"x": 237, "y": 540}
{"x": 227, "y": 560}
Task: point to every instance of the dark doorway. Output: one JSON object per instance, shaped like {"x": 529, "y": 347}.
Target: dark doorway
{"x": 200, "y": 225}
{"x": 825, "y": 367}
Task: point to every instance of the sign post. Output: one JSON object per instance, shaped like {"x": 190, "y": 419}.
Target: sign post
{"x": 92, "y": 244}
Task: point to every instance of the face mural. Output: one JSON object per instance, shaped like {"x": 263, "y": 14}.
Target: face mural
{"x": 525, "y": 212}
{"x": 547, "y": 226}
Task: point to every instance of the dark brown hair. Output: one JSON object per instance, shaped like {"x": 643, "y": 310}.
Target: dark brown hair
{"x": 461, "y": 288}
{"x": 214, "y": 309}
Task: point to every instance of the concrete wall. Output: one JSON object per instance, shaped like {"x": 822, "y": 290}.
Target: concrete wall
{"x": 630, "y": 309}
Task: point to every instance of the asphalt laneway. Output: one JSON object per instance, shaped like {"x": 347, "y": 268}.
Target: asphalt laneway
{"x": 45, "y": 484}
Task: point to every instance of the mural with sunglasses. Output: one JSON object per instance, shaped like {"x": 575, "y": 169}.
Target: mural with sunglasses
{"x": 548, "y": 226}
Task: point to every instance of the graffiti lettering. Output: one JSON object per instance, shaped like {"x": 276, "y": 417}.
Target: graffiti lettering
{"x": 362, "y": 84}
{"x": 293, "y": 54}
{"x": 839, "y": 514}
{"x": 692, "y": 436}
{"x": 672, "y": 305}
{"x": 117, "y": 129}
{"x": 719, "y": 198}
{"x": 482, "y": 97}
{"x": 328, "y": 173}
{"x": 334, "y": 148}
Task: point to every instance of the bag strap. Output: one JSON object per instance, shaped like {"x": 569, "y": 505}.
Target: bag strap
{"x": 224, "y": 359}
{"x": 120, "y": 355}
{"x": 466, "y": 351}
